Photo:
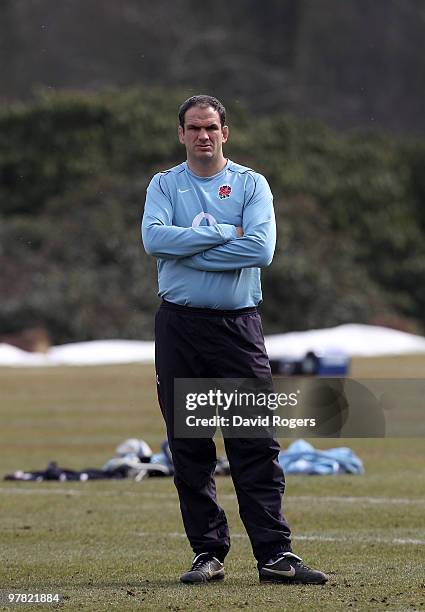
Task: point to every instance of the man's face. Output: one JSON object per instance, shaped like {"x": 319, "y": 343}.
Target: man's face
{"x": 203, "y": 136}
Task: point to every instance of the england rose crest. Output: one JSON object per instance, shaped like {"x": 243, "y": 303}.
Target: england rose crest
{"x": 224, "y": 191}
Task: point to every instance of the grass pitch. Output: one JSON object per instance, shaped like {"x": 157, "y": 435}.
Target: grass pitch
{"x": 120, "y": 545}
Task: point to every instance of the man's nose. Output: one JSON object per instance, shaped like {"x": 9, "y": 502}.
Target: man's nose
{"x": 203, "y": 134}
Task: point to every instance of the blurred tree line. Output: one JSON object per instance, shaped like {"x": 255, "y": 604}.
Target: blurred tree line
{"x": 74, "y": 169}
{"x": 348, "y": 63}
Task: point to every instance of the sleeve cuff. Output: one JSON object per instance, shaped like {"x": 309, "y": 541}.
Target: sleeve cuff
{"x": 228, "y": 232}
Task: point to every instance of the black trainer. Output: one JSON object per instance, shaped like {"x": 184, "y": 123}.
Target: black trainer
{"x": 290, "y": 569}
{"x": 204, "y": 568}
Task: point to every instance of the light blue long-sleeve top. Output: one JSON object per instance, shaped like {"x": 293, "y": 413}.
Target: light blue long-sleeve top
{"x": 189, "y": 225}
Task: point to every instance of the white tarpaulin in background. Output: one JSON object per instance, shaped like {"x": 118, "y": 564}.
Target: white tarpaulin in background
{"x": 351, "y": 340}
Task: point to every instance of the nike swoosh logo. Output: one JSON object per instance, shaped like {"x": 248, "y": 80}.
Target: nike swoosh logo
{"x": 184, "y": 190}
{"x": 289, "y": 573}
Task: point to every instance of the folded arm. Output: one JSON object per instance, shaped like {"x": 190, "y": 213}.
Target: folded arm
{"x": 255, "y": 249}
{"x": 162, "y": 239}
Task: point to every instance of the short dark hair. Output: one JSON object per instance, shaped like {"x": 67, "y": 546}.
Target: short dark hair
{"x": 202, "y": 100}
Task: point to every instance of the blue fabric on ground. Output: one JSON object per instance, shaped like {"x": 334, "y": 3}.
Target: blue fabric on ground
{"x": 302, "y": 458}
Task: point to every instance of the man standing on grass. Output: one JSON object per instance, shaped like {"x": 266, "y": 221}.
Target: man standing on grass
{"x": 210, "y": 224}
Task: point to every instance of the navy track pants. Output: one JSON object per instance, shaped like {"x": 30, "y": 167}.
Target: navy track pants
{"x": 204, "y": 343}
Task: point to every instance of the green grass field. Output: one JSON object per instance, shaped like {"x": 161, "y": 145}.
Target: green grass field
{"x": 120, "y": 545}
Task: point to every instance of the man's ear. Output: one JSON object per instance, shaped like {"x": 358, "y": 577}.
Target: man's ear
{"x": 180, "y": 132}
{"x": 225, "y": 132}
